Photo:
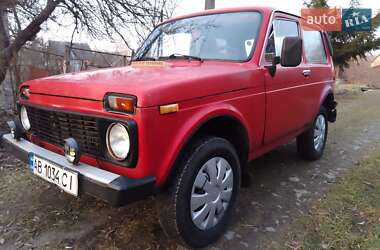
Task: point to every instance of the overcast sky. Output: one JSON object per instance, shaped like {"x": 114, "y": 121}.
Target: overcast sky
{"x": 292, "y": 6}
{"x": 189, "y": 6}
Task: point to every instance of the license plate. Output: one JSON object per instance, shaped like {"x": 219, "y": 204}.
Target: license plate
{"x": 66, "y": 180}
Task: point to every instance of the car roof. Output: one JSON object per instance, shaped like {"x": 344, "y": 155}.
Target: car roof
{"x": 264, "y": 10}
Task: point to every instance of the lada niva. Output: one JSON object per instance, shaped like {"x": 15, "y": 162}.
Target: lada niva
{"x": 205, "y": 94}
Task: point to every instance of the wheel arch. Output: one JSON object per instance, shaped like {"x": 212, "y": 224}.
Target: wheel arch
{"x": 328, "y": 101}
{"x": 224, "y": 123}
{"x": 229, "y": 128}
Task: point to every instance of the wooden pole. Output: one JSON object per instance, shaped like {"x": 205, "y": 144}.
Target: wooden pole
{"x": 15, "y": 76}
{"x": 66, "y": 60}
{"x": 209, "y": 4}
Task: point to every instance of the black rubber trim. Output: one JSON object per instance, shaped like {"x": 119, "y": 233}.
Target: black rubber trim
{"x": 332, "y": 115}
{"x": 332, "y": 112}
{"x": 131, "y": 160}
{"x": 120, "y": 192}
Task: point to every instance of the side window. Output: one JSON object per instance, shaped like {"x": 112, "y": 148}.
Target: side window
{"x": 314, "y": 47}
{"x": 281, "y": 28}
{"x": 270, "y": 50}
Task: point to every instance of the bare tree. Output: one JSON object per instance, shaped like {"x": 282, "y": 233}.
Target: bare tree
{"x": 102, "y": 19}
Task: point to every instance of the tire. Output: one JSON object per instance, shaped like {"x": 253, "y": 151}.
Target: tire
{"x": 179, "y": 206}
{"x": 307, "y": 148}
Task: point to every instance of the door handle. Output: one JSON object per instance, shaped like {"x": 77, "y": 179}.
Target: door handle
{"x": 306, "y": 72}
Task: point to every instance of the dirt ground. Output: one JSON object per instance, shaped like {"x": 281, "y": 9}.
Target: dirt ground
{"x": 348, "y": 217}
{"x": 36, "y": 215}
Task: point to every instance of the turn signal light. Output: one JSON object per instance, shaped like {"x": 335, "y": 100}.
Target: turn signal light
{"x": 123, "y": 104}
{"x": 167, "y": 109}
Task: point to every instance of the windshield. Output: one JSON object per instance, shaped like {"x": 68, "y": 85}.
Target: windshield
{"x": 227, "y": 36}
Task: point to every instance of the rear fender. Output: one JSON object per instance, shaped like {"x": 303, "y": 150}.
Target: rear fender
{"x": 328, "y": 101}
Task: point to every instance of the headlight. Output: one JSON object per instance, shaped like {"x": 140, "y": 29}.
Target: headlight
{"x": 24, "y": 118}
{"x": 118, "y": 142}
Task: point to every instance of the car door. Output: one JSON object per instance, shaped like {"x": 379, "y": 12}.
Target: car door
{"x": 286, "y": 104}
{"x": 319, "y": 69}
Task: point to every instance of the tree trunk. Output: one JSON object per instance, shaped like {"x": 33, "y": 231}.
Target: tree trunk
{"x": 3, "y": 71}
{"x": 9, "y": 48}
{"x": 4, "y": 42}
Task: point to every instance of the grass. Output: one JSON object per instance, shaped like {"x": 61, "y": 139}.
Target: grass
{"x": 347, "y": 218}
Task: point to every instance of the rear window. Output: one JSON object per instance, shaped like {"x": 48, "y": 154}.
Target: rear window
{"x": 314, "y": 47}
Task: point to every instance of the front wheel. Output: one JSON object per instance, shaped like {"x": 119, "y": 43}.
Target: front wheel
{"x": 200, "y": 202}
{"x": 312, "y": 142}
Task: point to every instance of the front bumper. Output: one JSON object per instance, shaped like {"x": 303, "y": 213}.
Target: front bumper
{"x": 115, "y": 189}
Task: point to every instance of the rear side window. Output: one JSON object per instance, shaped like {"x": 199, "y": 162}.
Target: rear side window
{"x": 314, "y": 47}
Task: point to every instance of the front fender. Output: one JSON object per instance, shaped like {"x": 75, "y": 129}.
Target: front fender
{"x": 195, "y": 118}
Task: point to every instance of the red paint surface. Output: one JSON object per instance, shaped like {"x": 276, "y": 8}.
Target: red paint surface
{"x": 273, "y": 110}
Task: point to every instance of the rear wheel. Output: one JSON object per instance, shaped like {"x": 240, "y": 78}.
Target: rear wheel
{"x": 311, "y": 143}
{"x": 200, "y": 202}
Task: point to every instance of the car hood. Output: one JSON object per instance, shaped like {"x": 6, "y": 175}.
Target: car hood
{"x": 153, "y": 84}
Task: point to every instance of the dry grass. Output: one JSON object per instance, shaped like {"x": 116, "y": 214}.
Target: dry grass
{"x": 349, "y": 216}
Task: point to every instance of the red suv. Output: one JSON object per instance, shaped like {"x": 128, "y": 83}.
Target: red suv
{"x": 205, "y": 94}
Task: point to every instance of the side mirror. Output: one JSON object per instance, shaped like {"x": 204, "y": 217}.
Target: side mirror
{"x": 291, "y": 53}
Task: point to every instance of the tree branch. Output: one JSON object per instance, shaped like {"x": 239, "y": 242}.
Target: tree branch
{"x": 33, "y": 28}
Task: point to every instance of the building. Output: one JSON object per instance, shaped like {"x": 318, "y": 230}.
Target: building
{"x": 376, "y": 62}
{"x": 364, "y": 72}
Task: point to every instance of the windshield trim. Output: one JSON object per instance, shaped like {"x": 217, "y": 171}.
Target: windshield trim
{"x": 249, "y": 58}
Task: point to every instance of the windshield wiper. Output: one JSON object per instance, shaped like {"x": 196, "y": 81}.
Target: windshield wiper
{"x": 177, "y": 55}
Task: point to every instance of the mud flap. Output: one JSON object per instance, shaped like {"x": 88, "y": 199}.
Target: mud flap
{"x": 332, "y": 112}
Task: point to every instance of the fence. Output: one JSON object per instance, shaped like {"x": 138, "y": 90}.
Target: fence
{"x": 33, "y": 63}
{"x": 78, "y": 59}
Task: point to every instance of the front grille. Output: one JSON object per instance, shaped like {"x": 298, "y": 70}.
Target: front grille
{"x": 54, "y": 127}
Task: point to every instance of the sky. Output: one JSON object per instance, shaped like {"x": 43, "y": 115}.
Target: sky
{"x": 292, "y": 6}
{"x": 189, "y": 6}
